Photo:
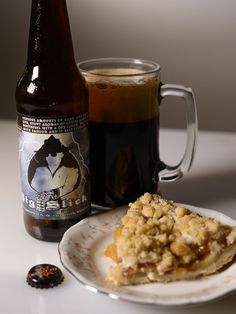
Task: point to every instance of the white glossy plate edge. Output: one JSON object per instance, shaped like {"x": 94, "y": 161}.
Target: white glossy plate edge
{"x": 229, "y": 289}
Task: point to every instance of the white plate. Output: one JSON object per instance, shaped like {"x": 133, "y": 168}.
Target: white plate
{"x": 81, "y": 252}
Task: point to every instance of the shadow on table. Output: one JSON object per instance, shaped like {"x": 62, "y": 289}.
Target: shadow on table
{"x": 202, "y": 190}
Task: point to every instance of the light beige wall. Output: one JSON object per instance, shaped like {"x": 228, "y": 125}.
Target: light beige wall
{"x": 194, "y": 41}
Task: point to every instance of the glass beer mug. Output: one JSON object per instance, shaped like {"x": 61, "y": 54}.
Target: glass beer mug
{"x": 124, "y": 111}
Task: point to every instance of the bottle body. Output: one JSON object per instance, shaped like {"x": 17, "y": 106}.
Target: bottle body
{"x": 52, "y": 109}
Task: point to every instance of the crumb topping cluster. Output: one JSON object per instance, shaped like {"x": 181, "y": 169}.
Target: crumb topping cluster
{"x": 157, "y": 237}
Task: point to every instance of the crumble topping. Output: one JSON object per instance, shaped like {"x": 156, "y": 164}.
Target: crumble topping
{"x": 159, "y": 241}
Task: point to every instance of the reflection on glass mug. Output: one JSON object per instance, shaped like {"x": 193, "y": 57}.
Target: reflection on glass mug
{"x": 124, "y": 109}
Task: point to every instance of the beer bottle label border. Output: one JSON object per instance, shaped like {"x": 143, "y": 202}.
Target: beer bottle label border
{"x": 53, "y": 156}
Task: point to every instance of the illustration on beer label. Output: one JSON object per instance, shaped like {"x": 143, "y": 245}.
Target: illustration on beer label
{"x": 53, "y": 171}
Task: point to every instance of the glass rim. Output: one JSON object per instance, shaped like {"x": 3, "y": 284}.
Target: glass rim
{"x": 89, "y": 66}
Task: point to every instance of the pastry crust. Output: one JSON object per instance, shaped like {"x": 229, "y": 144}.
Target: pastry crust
{"x": 159, "y": 241}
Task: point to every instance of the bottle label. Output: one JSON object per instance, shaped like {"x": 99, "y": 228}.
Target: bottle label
{"x": 54, "y": 154}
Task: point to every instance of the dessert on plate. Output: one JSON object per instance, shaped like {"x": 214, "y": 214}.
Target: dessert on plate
{"x": 158, "y": 241}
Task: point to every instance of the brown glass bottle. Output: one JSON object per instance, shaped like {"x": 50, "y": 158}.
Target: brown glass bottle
{"x": 52, "y": 108}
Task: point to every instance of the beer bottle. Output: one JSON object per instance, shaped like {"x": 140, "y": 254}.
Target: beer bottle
{"x": 52, "y": 118}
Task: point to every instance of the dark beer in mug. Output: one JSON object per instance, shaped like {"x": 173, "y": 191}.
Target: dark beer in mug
{"x": 124, "y": 124}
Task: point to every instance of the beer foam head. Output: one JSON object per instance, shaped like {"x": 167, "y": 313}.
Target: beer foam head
{"x": 117, "y": 72}
{"x": 129, "y": 95}
{"x": 118, "y": 76}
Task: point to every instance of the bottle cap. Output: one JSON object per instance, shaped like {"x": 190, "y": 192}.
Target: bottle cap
{"x": 44, "y": 276}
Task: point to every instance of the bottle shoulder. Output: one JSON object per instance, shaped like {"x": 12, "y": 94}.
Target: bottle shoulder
{"x": 68, "y": 74}
{"x": 56, "y": 94}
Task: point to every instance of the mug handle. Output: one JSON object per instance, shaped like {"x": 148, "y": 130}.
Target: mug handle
{"x": 173, "y": 173}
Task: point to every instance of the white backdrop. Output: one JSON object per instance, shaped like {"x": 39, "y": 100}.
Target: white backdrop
{"x": 194, "y": 41}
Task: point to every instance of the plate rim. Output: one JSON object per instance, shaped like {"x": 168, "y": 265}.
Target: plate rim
{"x": 184, "y": 302}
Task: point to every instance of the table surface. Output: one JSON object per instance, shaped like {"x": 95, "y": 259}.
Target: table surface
{"x": 209, "y": 184}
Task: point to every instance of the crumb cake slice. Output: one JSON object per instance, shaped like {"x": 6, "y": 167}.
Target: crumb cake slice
{"x": 159, "y": 241}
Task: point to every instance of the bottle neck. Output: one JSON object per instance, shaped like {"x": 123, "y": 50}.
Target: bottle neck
{"x": 50, "y": 43}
